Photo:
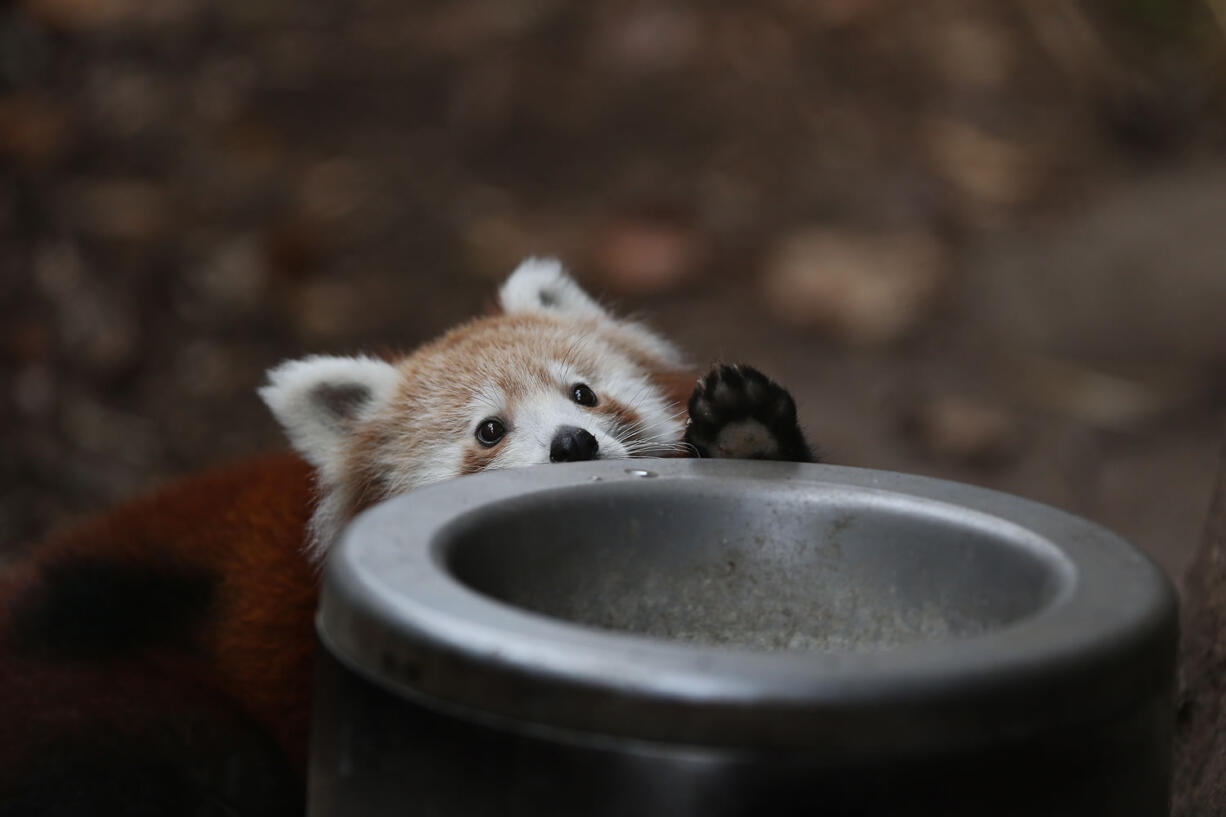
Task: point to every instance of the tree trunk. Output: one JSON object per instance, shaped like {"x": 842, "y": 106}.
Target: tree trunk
{"x": 1200, "y": 732}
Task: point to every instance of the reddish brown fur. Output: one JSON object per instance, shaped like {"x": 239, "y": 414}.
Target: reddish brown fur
{"x": 475, "y": 459}
{"x": 678, "y": 385}
{"x": 244, "y": 523}
{"x": 626, "y": 417}
{"x": 254, "y": 660}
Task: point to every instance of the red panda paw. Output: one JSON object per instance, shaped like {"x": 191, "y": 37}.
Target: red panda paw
{"x": 736, "y": 412}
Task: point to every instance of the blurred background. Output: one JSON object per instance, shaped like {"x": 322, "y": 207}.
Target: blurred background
{"x": 983, "y": 241}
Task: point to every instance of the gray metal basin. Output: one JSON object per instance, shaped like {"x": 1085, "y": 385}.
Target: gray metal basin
{"x": 716, "y": 637}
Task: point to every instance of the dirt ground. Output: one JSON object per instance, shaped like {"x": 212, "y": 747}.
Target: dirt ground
{"x": 983, "y": 241}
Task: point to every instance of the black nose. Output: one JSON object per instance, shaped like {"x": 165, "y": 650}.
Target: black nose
{"x": 571, "y": 444}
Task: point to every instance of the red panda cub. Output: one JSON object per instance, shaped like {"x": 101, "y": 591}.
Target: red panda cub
{"x": 158, "y": 659}
{"x": 553, "y": 378}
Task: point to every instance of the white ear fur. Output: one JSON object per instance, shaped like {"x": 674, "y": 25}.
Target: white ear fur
{"x": 320, "y": 400}
{"x": 542, "y": 285}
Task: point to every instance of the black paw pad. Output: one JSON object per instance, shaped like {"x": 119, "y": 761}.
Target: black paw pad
{"x": 739, "y": 413}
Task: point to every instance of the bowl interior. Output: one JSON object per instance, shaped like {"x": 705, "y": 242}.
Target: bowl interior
{"x": 754, "y": 566}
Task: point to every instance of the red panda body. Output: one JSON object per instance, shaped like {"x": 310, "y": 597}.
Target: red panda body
{"x": 162, "y": 639}
{"x": 158, "y": 659}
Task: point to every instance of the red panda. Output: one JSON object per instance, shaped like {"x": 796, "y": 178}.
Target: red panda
{"x": 158, "y": 659}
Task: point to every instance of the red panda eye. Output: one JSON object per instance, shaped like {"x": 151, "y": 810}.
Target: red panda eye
{"x": 490, "y": 431}
{"x": 582, "y": 394}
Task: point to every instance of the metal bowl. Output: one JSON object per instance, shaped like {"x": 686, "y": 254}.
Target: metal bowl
{"x": 726, "y": 637}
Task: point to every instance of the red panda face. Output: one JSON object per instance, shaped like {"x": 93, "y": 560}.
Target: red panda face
{"x": 554, "y": 379}
{"x": 544, "y": 392}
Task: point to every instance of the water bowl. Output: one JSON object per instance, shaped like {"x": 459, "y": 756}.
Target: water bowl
{"x": 708, "y": 638}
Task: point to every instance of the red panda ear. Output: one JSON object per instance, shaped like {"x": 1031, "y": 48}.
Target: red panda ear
{"x": 321, "y": 400}
{"x": 542, "y": 285}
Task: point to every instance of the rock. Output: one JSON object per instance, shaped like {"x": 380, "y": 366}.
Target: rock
{"x": 59, "y": 273}
{"x": 123, "y": 209}
{"x": 105, "y": 431}
{"x": 860, "y": 288}
{"x": 221, "y": 89}
{"x": 327, "y": 309}
{"x": 125, "y": 101}
{"x": 483, "y": 98}
{"x": 988, "y": 170}
{"x": 1200, "y": 730}
{"x": 496, "y": 241}
{"x": 34, "y": 130}
{"x": 34, "y": 391}
{"x": 97, "y": 326}
{"x": 1102, "y": 399}
{"x": 972, "y": 54}
{"x": 728, "y": 204}
{"x": 493, "y": 243}
{"x": 234, "y": 277}
{"x": 644, "y": 38}
{"x": 82, "y": 15}
{"x": 333, "y": 190}
{"x": 964, "y": 430}
{"x": 27, "y": 339}
{"x": 295, "y": 248}
{"x": 645, "y": 257}
{"x": 205, "y": 369}
{"x": 1138, "y": 274}
{"x": 465, "y": 27}
{"x": 834, "y": 14}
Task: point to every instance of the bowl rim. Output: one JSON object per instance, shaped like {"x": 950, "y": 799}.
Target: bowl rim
{"x": 392, "y": 610}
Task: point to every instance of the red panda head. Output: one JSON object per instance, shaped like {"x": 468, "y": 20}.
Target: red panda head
{"x": 552, "y": 378}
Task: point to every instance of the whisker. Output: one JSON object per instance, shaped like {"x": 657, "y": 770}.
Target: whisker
{"x": 642, "y": 423}
{"x": 658, "y": 448}
{"x": 643, "y": 428}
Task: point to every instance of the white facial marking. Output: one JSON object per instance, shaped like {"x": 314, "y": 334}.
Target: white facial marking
{"x": 534, "y": 418}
